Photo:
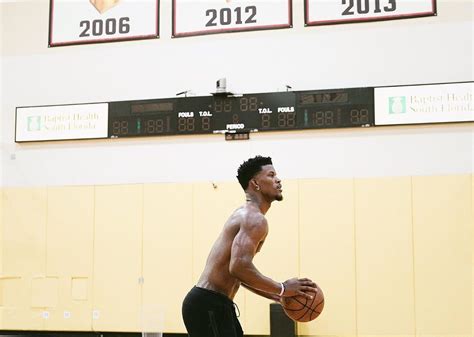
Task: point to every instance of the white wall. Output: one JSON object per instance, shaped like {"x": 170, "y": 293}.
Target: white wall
{"x": 344, "y": 153}
{"x": 424, "y": 50}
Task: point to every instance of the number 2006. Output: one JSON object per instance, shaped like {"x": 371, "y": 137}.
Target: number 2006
{"x": 225, "y": 16}
{"x": 109, "y": 27}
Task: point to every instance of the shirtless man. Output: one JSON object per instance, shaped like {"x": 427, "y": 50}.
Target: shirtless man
{"x": 208, "y": 309}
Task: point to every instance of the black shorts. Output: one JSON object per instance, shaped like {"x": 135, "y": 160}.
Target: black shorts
{"x": 207, "y": 313}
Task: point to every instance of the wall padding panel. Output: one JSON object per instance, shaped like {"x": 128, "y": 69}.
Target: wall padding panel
{"x": 24, "y": 235}
{"x": 326, "y": 213}
{"x": 384, "y": 257}
{"x": 117, "y": 257}
{"x": 24, "y": 255}
{"x": 73, "y": 312}
{"x": 167, "y": 254}
{"x": 442, "y": 219}
{"x": 17, "y": 312}
{"x": 70, "y": 231}
{"x": 69, "y": 252}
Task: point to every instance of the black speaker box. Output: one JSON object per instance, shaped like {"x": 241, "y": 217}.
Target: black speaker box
{"x": 280, "y": 324}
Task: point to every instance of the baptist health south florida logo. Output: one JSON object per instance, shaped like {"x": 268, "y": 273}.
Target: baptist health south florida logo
{"x": 34, "y": 123}
{"x": 397, "y": 105}
{"x": 103, "y": 5}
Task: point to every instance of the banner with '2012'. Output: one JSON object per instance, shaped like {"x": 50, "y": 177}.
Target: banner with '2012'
{"x": 199, "y": 17}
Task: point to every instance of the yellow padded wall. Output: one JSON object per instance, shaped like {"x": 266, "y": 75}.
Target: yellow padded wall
{"x": 384, "y": 257}
{"x": 167, "y": 253}
{"x": 70, "y": 231}
{"x": 278, "y": 258}
{"x": 117, "y": 257}
{"x": 69, "y": 252}
{"x": 442, "y": 219}
{"x": 17, "y": 311}
{"x": 72, "y": 313}
{"x": 8, "y": 298}
{"x": 44, "y": 292}
{"x": 24, "y": 253}
{"x": 24, "y": 233}
{"x": 326, "y": 213}
{"x": 212, "y": 206}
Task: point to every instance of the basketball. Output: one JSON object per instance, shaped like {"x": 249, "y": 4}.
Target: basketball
{"x": 302, "y": 309}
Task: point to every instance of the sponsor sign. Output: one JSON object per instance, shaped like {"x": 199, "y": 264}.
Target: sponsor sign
{"x": 434, "y": 103}
{"x": 62, "y": 122}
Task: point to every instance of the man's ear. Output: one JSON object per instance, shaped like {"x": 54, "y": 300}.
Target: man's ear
{"x": 254, "y": 184}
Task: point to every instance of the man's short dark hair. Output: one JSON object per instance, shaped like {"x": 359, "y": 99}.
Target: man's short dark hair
{"x": 250, "y": 168}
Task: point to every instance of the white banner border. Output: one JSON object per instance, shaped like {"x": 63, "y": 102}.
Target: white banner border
{"x": 51, "y": 43}
{"x": 174, "y": 34}
{"x": 308, "y": 22}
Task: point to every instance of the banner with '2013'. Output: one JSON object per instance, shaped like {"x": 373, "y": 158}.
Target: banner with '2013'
{"x": 323, "y": 12}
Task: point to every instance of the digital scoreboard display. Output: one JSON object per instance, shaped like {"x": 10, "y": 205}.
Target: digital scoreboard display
{"x": 335, "y": 108}
{"x": 238, "y": 115}
{"x": 274, "y": 111}
{"x": 190, "y": 115}
{"x": 263, "y": 112}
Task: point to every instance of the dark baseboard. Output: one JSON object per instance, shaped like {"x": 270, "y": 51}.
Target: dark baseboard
{"x": 21, "y": 333}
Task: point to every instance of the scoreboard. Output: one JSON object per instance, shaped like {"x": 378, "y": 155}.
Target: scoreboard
{"x": 242, "y": 113}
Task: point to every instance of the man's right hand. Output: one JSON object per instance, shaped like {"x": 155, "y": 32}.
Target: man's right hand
{"x": 299, "y": 286}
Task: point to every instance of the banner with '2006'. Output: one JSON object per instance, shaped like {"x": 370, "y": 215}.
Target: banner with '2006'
{"x": 92, "y": 21}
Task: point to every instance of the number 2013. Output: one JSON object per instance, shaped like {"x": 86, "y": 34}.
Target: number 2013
{"x": 225, "y": 17}
{"x": 363, "y": 6}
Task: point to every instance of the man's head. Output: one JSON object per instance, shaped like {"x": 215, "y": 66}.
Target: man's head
{"x": 258, "y": 175}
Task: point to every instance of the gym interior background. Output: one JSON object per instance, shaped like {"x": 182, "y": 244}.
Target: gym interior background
{"x": 93, "y": 231}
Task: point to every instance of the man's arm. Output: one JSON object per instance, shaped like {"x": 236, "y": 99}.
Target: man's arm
{"x": 244, "y": 248}
{"x": 262, "y": 293}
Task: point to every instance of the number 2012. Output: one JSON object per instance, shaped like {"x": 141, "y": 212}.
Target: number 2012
{"x": 225, "y": 16}
{"x": 363, "y": 6}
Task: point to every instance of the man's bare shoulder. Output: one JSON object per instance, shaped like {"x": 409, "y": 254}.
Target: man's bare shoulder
{"x": 249, "y": 217}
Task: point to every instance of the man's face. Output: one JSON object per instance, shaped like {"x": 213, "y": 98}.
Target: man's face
{"x": 269, "y": 183}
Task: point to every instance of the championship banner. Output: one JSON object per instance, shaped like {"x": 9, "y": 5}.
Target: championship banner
{"x": 61, "y": 122}
{"x": 94, "y": 21}
{"x": 325, "y": 12}
{"x": 417, "y": 104}
{"x": 198, "y": 17}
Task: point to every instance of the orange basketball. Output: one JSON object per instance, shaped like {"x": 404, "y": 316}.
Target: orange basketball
{"x": 302, "y": 309}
